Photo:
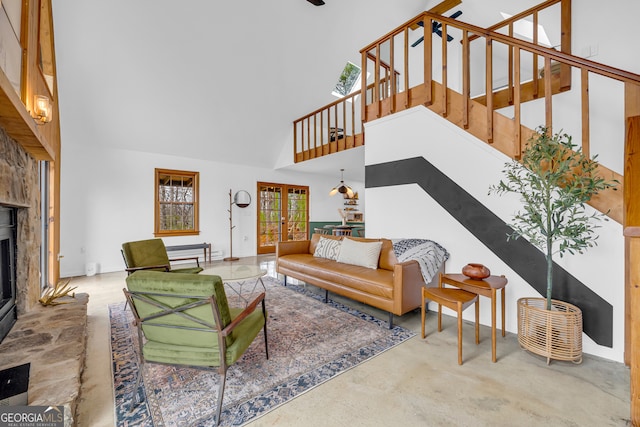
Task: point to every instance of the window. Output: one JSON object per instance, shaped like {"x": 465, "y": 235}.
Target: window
{"x": 10, "y": 46}
{"x": 348, "y": 82}
{"x": 176, "y": 203}
{"x": 45, "y": 45}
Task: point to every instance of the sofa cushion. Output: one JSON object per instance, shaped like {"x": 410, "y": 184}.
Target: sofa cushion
{"x": 327, "y": 248}
{"x": 365, "y": 254}
{"x": 367, "y": 280}
{"x": 387, "y": 259}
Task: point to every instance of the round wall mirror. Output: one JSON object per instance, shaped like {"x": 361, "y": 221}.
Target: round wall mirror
{"x": 242, "y": 199}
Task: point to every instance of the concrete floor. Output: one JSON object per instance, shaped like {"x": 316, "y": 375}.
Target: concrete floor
{"x": 417, "y": 383}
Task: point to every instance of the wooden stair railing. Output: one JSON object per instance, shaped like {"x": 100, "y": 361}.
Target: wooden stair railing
{"x": 508, "y": 134}
{"x": 565, "y": 43}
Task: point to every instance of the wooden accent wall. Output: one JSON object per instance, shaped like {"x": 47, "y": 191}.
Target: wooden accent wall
{"x": 631, "y": 224}
{"x": 41, "y": 141}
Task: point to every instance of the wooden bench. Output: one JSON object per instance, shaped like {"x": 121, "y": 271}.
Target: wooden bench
{"x": 204, "y": 246}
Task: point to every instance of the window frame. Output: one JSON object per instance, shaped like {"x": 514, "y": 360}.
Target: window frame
{"x": 195, "y": 176}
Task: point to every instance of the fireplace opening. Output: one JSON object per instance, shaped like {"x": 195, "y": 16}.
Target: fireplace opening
{"x": 8, "y": 310}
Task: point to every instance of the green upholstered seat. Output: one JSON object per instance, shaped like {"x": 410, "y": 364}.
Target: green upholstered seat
{"x": 186, "y": 320}
{"x": 151, "y": 254}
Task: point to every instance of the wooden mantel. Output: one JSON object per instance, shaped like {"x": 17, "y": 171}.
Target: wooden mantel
{"x": 17, "y": 122}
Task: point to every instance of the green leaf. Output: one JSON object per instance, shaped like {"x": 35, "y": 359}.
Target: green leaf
{"x": 554, "y": 181}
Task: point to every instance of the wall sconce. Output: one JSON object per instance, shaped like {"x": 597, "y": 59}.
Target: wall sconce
{"x": 42, "y": 110}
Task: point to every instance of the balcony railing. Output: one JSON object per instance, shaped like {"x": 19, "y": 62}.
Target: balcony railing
{"x": 335, "y": 127}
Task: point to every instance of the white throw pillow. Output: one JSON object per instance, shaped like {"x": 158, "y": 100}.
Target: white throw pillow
{"x": 365, "y": 254}
{"x": 327, "y": 248}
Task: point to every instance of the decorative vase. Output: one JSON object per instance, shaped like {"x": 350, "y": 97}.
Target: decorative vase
{"x": 554, "y": 334}
{"x": 476, "y": 271}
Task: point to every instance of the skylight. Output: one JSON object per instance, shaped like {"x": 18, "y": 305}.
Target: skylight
{"x": 348, "y": 82}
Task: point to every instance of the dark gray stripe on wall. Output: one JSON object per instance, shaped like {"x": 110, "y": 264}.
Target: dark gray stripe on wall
{"x": 522, "y": 257}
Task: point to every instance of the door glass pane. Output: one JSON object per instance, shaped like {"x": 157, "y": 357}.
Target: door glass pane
{"x": 297, "y": 214}
{"x": 270, "y": 215}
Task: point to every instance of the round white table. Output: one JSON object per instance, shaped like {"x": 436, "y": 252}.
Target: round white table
{"x": 237, "y": 275}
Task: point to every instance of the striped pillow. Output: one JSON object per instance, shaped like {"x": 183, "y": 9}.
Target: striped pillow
{"x": 364, "y": 254}
{"x": 327, "y": 248}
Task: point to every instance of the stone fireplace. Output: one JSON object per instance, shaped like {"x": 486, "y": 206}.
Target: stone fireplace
{"x": 8, "y": 310}
{"x": 19, "y": 189}
{"x": 51, "y": 339}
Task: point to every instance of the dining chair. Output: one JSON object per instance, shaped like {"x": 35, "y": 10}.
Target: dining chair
{"x": 185, "y": 320}
{"x": 342, "y": 231}
{"x": 358, "y": 232}
{"x": 317, "y": 230}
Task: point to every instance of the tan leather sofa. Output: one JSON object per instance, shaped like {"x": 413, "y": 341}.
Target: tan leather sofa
{"x": 393, "y": 287}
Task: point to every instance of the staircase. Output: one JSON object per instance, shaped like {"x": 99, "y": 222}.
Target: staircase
{"x": 524, "y": 79}
{"x": 535, "y": 73}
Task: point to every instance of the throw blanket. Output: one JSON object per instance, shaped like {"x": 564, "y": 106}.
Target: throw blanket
{"x": 428, "y": 253}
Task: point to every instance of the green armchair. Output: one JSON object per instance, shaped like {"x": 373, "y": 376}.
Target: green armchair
{"x": 151, "y": 254}
{"x": 185, "y": 320}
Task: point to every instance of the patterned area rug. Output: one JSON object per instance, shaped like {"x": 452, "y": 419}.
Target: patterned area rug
{"x": 310, "y": 342}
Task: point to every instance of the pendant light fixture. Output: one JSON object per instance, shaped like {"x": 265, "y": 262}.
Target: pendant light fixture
{"x": 341, "y": 188}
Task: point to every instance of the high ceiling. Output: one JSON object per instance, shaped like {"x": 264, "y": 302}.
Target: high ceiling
{"x": 218, "y": 80}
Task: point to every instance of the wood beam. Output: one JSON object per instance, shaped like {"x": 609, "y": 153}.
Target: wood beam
{"x": 440, "y": 8}
{"x": 631, "y": 110}
{"x": 632, "y": 271}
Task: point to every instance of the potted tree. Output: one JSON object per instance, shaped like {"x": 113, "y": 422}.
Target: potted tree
{"x": 554, "y": 180}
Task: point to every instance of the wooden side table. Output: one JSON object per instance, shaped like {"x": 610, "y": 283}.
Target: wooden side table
{"x": 487, "y": 287}
{"x": 455, "y": 299}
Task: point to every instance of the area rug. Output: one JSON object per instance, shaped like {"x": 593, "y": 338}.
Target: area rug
{"x": 310, "y": 342}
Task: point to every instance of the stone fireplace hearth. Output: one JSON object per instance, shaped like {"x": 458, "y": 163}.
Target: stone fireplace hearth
{"x": 51, "y": 338}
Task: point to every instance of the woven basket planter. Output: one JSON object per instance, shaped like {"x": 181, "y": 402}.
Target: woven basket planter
{"x": 554, "y": 334}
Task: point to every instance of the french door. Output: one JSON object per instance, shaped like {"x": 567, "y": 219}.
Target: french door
{"x": 283, "y": 214}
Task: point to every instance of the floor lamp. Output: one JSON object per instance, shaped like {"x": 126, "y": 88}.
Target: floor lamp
{"x": 242, "y": 199}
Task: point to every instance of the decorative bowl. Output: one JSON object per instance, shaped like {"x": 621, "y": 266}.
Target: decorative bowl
{"x": 476, "y": 271}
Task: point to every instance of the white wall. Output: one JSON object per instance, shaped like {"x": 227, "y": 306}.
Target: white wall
{"x": 107, "y": 195}
{"x": 107, "y": 199}
{"x": 407, "y": 211}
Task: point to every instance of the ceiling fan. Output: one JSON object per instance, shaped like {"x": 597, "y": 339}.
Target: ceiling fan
{"x": 316, "y": 2}
{"x": 436, "y": 27}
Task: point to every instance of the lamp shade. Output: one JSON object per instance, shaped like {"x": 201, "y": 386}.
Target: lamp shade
{"x": 342, "y": 187}
{"x": 42, "y": 110}
{"x": 242, "y": 199}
